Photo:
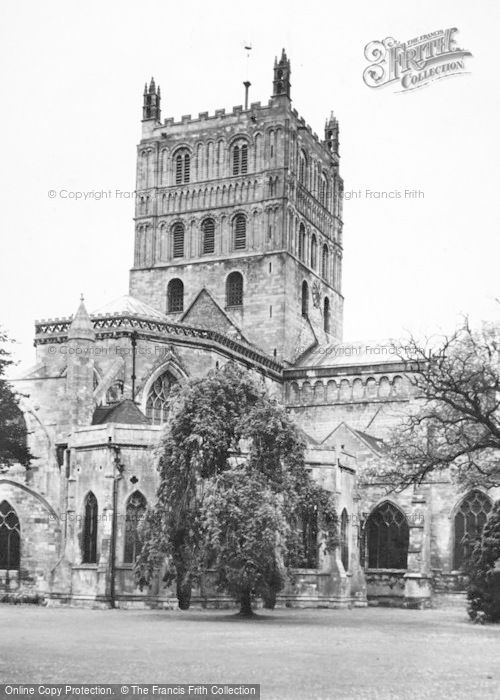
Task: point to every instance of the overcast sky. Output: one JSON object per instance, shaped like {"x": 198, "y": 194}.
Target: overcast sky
{"x": 71, "y": 85}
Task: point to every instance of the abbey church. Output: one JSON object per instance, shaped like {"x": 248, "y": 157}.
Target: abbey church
{"x": 238, "y": 258}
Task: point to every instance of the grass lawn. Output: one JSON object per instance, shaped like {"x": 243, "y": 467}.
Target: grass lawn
{"x": 361, "y": 653}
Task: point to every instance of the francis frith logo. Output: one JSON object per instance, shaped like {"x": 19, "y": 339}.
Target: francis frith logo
{"x": 415, "y": 63}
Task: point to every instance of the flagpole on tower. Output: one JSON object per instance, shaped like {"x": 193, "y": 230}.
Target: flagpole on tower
{"x": 247, "y": 83}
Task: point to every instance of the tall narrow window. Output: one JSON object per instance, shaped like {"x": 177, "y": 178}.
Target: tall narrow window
{"x": 240, "y": 158}
{"x": 313, "y": 252}
{"x": 240, "y": 232}
{"x": 302, "y": 168}
{"x": 182, "y": 167}
{"x": 136, "y": 509}
{"x": 470, "y": 520}
{"x": 302, "y": 241}
{"x": 208, "y": 230}
{"x": 387, "y": 538}
{"x": 175, "y": 296}
{"x": 309, "y": 524}
{"x": 158, "y": 399}
{"x": 10, "y": 538}
{"x": 344, "y": 539}
{"x": 324, "y": 262}
{"x": 326, "y": 315}
{"x": 234, "y": 289}
{"x": 305, "y": 299}
{"x": 322, "y": 190}
{"x": 90, "y": 530}
{"x": 178, "y": 241}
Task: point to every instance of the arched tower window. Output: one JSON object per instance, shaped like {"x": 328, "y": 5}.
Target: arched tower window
{"x": 302, "y": 241}
{"x": 157, "y": 402}
{"x": 208, "y": 232}
{"x": 344, "y": 539}
{"x": 89, "y": 543}
{"x": 182, "y": 167}
{"x": 240, "y": 158}
{"x": 10, "y": 538}
{"x": 136, "y": 509}
{"x": 470, "y": 520}
{"x": 178, "y": 240}
{"x": 326, "y": 315}
{"x": 305, "y": 299}
{"x": 302, "y": 168}
{"x": 324, "y": 262}
{"x": 234, "y": 289}
{"x": 314, "y": 251}
{"x": 240, "y": 232}
{"x": 387, "y": 538}
{"x": 175, "y": 296}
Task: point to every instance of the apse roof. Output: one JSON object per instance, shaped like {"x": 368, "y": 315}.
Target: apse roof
{"x": 124, "y": 412}
{"x": 126, "y": 305}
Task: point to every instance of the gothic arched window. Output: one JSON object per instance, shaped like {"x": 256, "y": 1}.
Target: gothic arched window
{"x": 309, "y": 522}
{"x": 240, "y": 232}
{"x": 324, "y": 262}
{"x": 313, "y": 252}
{"x": 387, "y": 538}
{"x": 234, "y": 289}
{"x": 175, "y": 296}
{"x": 344, "y": 539}
{"x": 136, "y": 509}
{"x": 10, "y": 538}
{"x": 208, "y": 231}
{"x": 326, "y": 315}
{"x": 302, "y": 241}
{"x": 182, "y": 167}
{"x": 89, "y": 542}
{"x": 305, "y": 298}
{"x": 240, "y": 158}
{"x": 302, "y": 168}
{"x": 157, "y": 402}
{"x": 322, "y": 190}
{"x": 178, "y": 240}
{"x": 470, "y": 520}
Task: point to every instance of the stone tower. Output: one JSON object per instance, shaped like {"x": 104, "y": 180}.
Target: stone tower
{"x": 245, "y": 207}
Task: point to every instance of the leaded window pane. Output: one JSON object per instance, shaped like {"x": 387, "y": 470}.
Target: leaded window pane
{"x": 387, "y": 537}
{"x": 470, "y": 520}
{"x": 234, "y": 289}
{"x": 90, "y": 530}
{"x": 157, "y": 403}
{"x": 10, "y": 538}
{"x": 136, "y": 509}
{"x": 175, "y": 296}
{"x": 344, "y": 539}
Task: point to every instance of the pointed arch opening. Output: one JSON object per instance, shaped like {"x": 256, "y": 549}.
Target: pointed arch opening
{"x": 89, "y": 535}
{"x": 10, "y": 538}
{"x": 468, "y": 524}
{"x": 305, "y": 299}
{"x": 134, "y": 515}
{"x": 157, "y": 403}
{"x": 344, "y": 539}
{"x": 387, "y": 538}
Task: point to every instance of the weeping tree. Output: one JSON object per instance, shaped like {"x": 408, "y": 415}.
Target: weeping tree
{"x": 232, "y": 486}
{"x": 13, "y": 435}
{"x": 483, "y": 590}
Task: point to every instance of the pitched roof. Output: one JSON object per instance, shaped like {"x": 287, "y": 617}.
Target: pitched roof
{"x": 127, "y": 305}
{"x": 124, "y": 412}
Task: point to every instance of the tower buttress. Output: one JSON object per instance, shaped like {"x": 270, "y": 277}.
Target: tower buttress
{"x": 151, "y": 103}
{"x": 332, "y": 134}
{"x": 282, "y": 72}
